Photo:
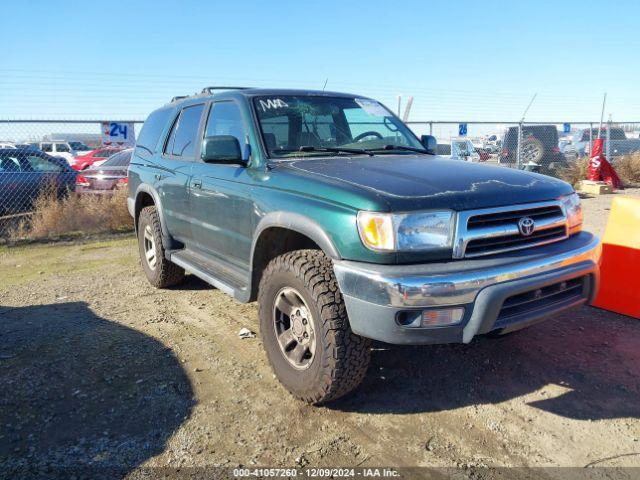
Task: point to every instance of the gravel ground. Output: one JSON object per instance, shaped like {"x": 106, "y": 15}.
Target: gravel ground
{"x": 97, "y": 368}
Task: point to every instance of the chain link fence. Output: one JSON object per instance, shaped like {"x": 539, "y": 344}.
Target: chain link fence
{"x": 544, "y": 147}
{"x": 40, "y": 158}
{"x": 42, "y": 162}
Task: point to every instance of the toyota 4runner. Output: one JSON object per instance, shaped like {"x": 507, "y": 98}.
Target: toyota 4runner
{"x": 345, "y": 227}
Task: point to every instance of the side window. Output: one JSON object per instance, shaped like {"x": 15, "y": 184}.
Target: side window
{"x": 47, "y": 147}
{"x": 10, "y": 164}
{"x": 61, "y": 147}
{"x": 184, "y": 143}
{"x": 225, "y": 119}
{"x": 39, "y": 164}
{"x": 152, "y": 129}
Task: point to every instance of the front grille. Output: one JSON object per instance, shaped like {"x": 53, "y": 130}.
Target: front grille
{"x": 501, "y": 218}
{"x": 485, "y": 245}
{"x": 524, "y": 305}
{"x": 491, "y": 231}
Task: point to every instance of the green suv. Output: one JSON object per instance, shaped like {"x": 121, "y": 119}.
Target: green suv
{"x": 345, "y": 227}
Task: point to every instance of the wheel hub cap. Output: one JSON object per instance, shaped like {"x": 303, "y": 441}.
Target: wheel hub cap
{"x": 293, "y": 327}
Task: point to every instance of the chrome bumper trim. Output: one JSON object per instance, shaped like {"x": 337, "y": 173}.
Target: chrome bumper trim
{"x": 457, "y": 282}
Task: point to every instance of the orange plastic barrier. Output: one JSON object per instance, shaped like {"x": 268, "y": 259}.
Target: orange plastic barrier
{"x": 620, "y": 268}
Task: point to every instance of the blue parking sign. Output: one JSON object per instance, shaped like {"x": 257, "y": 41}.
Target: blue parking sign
{"x": 566, "y": 128}
{"x": 462, "y": 129}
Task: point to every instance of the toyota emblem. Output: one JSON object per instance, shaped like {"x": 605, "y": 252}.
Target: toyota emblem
{"x": 526, "y": 226}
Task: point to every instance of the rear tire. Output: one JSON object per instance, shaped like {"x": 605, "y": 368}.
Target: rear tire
{"x": 160, "y": 272}
{"x": 305, "y": 329}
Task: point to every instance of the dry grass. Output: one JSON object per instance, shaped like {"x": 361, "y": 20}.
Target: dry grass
{"x": 627, "y": 166}
{"x": 575, "y": 172}
{"x": 74, "y": 216}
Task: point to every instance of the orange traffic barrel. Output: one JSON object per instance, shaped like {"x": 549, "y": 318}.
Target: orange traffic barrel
{"x": 620, "y": 268}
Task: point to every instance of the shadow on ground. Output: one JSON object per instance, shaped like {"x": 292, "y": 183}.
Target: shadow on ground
{"x": 77, "y": 390}
{"x": 592, "y": 354}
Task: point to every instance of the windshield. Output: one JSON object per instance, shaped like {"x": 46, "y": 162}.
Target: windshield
{"x": 289, "y": 122}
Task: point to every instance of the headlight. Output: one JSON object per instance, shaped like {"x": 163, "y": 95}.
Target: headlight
{"x": 406, "y": 232}
{"x": 573, "y": 209}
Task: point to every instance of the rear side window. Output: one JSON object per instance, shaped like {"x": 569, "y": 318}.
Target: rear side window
{"x": 152, "y": 129}
{"x": 61, "y": 147}
{"x": 186, "y": 131}
{"x": 47, "y": 147}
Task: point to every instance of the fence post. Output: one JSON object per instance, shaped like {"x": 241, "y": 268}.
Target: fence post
{"x": 608, "y": 150}
{"x": 590, "y": 139}
{"x": 519, "y": 146}
{"x": 431, "y": 128}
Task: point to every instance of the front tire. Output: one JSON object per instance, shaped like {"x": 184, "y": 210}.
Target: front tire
{"x": 305, "y": 329}
{"x": 160, "y": 272}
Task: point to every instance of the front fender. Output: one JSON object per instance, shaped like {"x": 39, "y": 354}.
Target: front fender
{"x": 297, "y": 223}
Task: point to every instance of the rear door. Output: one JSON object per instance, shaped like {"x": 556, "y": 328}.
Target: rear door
{"x": 221, "y": 204}
{"x": 174, "y": 170}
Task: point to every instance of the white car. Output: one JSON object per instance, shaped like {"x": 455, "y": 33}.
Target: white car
{"x": 7, "y": 145}
{"x": 57, "y": 148}
{"x": 463, "y": 149}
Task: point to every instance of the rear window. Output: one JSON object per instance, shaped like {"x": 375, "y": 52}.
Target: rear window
{"x": 152, "y": 129}
{"x": 121, "y": 159}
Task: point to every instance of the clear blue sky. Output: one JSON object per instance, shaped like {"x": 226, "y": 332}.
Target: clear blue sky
{"x": 459, "y": 59}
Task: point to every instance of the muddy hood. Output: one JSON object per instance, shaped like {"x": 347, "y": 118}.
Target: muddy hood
{"x": 408, "y": 182}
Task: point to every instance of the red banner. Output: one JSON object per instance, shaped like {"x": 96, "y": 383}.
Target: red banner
{"x": 600, "y": 169}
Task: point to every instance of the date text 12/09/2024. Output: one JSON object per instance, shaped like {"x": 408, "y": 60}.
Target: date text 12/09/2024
{"x": 315, "y": 472}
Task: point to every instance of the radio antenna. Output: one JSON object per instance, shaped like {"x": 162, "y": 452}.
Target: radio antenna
{"x": 524, "y": 114}
{"x": 325, "y": 84}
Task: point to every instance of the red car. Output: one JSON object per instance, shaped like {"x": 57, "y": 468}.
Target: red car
{"x": 94, "y": 158}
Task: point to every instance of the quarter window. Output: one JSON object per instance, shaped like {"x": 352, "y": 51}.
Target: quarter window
{"x": 186, "y": 131}
{"x": 61, "y": 147}
{"x": 47, "y": 147}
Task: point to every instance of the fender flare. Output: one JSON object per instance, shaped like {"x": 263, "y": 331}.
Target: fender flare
{"x": 297, "y": 223}
{"x": 144, "y": 188}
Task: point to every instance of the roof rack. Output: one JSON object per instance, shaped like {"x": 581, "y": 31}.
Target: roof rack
{"x": 178, "y": 97}
{"x": 209, "y": 90}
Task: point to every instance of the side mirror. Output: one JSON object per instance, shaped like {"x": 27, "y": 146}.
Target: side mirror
{"x": 221, "y": 149}
{"x": 429, "y": 143}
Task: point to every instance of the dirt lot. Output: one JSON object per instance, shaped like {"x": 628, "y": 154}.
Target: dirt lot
{"x": 98, "y": 368}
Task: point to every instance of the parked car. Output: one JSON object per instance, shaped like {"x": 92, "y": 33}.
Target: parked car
{"x": 579, "y": 145}
{"x": 539, "y": 148}
{"x": 25, "y": 173}
{"x": 345, "y": 227}
{"x": 463, "y": 149}
{"x": 57, "y": 148}
{"x": 106, "y": 178}
{"x": 7, "y": 145}
{"x": 94, "y": 158}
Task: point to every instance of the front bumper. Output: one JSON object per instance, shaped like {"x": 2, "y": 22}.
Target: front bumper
{"x": 376, "y": 294}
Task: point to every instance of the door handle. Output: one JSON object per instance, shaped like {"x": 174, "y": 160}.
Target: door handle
{"x": 196, "y": 184}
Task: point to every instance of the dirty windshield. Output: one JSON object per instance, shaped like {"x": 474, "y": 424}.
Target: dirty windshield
{"x": 314, "y": 125}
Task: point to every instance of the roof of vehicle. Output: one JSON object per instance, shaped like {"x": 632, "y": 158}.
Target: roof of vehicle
{"x": 235, "y": 92}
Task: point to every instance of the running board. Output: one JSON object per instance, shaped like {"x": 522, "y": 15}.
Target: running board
{"x": 225, "y": 278}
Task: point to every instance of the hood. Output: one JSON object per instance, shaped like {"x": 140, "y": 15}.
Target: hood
{"x": 408, "y": 182}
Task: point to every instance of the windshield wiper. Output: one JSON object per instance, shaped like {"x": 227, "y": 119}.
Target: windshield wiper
{"x": 399, "y": 147}
{"x": 309, "y": 148}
